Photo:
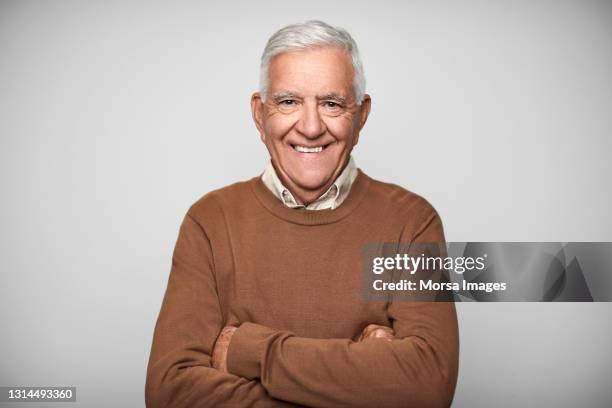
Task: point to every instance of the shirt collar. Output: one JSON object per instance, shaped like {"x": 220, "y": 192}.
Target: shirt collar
{"x": 331, "y": 199}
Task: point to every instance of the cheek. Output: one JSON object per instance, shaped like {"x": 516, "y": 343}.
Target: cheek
{"x": 341, "y": 128}
{"x": 278, "y": 126}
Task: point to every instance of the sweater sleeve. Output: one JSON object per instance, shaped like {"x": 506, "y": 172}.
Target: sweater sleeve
{"x": 180, "y": 373}
{"x": 416, "y": 369}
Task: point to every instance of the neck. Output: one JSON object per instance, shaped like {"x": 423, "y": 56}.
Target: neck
{"x": 303, "y": 196}
{"x": 306, "y": 196}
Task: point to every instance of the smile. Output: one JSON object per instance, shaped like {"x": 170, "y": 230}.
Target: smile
{"x": 304, "y": 149}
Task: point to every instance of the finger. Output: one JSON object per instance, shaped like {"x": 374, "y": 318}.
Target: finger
{"x": 372, "y": 334}
{"x": 382, "y": 333}
{"x": 370, "y": 329}
{"x": 387, "y": 330}
{"x": 379, "y": 333}
{"x": 364, "y": 333}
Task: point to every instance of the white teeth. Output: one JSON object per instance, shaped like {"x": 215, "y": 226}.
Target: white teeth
{"x": 303, "y": 149}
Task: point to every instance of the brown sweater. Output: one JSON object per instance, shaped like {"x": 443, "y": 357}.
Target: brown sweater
{"x": 290, "y": 279}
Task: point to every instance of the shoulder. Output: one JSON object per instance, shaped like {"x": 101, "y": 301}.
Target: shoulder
{"x": 400, "y": 203}
{"x": 399, "y": 198}
{"x": 214, "y": 204}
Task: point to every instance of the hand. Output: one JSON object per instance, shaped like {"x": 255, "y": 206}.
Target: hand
{"x": 219, "y": 354}
{"x": 375, "y": 331}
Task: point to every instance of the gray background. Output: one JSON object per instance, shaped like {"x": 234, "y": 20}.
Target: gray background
{"x": 116, "y": 116}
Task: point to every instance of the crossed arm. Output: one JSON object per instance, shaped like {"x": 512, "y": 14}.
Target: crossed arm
{"x": 219, "y": 354}
{"x": 408, "y": 370}
{"x": 192, "y": 365}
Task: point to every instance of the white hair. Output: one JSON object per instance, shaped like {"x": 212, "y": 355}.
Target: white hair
{"x": 311, "y": 34}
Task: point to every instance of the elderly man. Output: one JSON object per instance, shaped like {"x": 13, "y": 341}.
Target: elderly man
{"x": 263, "y": 305}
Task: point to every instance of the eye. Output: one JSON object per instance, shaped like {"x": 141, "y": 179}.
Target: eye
{"x": 287, "y": 102}
{"x": 332, "y": 105}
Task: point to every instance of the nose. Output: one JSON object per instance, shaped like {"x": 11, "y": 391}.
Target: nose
{"x": 311, "y": 123}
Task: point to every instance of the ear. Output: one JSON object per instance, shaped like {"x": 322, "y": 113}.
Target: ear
{"x": 257, "y": 107}
{"x": 364, "y": 112}
{"x": 366, "y": 104}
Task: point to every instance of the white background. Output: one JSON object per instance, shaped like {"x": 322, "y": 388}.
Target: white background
{"x": 116, "y": 116}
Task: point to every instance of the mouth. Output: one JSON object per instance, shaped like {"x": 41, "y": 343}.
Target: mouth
{"x": 309, "y": 149}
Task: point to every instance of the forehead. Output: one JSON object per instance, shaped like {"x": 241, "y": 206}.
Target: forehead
{"x": 316, "y": 70}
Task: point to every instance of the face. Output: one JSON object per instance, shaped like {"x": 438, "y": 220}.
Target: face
{"x": 310, "y": 120}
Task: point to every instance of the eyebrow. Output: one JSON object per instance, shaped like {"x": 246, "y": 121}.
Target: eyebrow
{"x": 277, "y": 96}
{"x": 334, "y": 96}
{"x": 282, "y": 95}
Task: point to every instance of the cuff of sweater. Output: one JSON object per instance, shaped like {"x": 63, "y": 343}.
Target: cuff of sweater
{"x": 246, "y": 350}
